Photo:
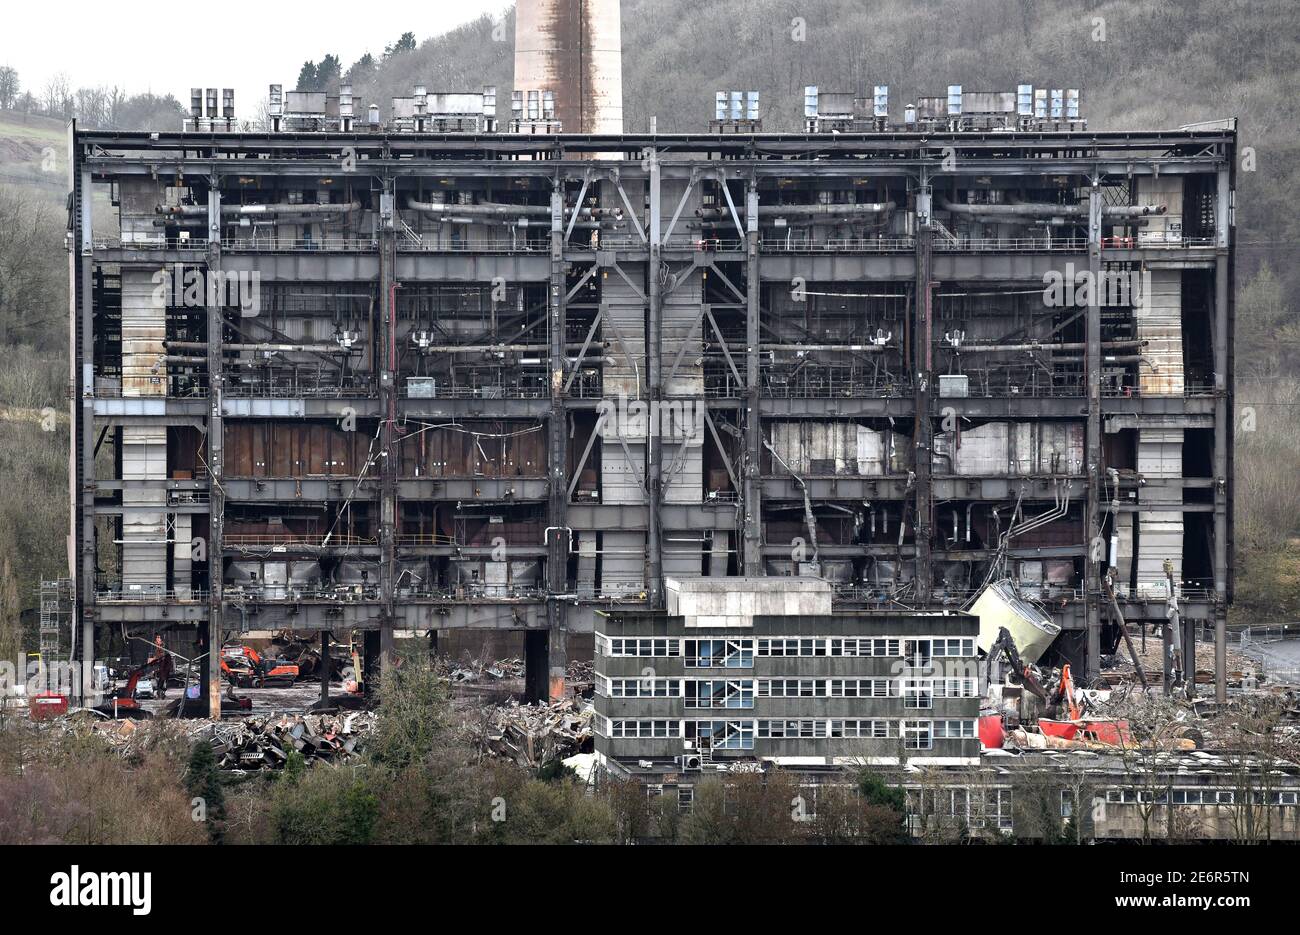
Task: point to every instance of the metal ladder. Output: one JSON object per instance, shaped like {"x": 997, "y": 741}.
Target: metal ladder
{"x": 53, "y": 611}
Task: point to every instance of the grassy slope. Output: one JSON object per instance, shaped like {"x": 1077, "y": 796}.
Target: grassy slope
{"x": 33, "y": 153}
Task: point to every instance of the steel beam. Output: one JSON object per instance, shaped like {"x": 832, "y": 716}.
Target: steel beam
{"x": 210, "y": 690}
{"x": 1093, "y": 455}
{"x": 752, "y": 496}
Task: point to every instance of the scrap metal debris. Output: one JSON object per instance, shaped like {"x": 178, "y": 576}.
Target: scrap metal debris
{"x": 258, "y": 742}
{"x": 478, "y": 670}
{"x": 531, "y": 735}
{"x": 265, "y": 743}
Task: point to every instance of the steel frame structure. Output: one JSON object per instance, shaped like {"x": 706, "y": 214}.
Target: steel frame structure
{"x": 632, "y": 173}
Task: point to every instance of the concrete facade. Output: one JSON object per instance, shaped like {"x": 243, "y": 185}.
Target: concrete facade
{"x": 798, "y": 690}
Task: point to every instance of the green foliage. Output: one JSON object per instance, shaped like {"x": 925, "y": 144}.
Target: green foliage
{"x": 554, "y": 770}
{"x": 307, "y": 77}
{"x": 203, "y": 781}
{"x": 326, "y": 805}
{"x": 406, "y": 43}
{"x": 875, "y": 791}
{"x": 295, "y": 764}
{"x": 416, "y": 719}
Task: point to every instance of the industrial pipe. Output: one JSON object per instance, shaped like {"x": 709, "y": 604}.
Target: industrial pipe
{"x": 293, "y": 348}
{"x": 766, "y": 210}
{"x": 1030, "y": 209}
{"x": 858, "y": 348}
{"x": 1071, "y": 346}
{"x": 492, "y": 209}
{"x": 524, "y": 222}
{"x": 1109, "y": 359}
{"x": 269, "y": 210}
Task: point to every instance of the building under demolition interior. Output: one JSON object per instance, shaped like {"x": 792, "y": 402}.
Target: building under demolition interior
{"x": 414, "y": 371}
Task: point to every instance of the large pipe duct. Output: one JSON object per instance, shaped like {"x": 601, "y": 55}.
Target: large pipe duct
{"x": 573, "y": 48}
{"x": 266, "y": 348}
{"x": 1029, "y": 209}
{"x": 1069, "y": 346}
{"x": 275, "y": 210}
{"x": 488, "y": 209}
{"x": 884, "y": 207}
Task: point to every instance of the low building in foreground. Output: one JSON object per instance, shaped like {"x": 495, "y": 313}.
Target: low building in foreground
{"x": 760, "y": 670}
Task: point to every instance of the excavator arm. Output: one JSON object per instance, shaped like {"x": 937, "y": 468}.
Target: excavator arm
{"x": 1004, "y": 647}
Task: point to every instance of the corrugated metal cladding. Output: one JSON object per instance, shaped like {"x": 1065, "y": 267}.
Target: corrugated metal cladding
{"x": 469, "y": 449}
{"x": 1159, "y": 532}
{"x": 1011, "y": 448}
{"x": 622, "y": 480}
{"x": 808, "y": 447}
{"x": 1159, "y": 319}
{"x": 622, "y": 566}
{"x": 145, "y": 536}
{"x": 280, "y": 449}
{"x": 514, "y": 448}
{"x": 144, "y": 328}
{"x": 144, "y": 520}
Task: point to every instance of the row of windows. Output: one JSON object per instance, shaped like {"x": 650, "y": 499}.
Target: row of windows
{"x": 739, "y": 653}
{"x": 1196, "y": 797}
{"x": 917, "y": 651}
{"x": 916, "y": 735}
{"x": 720, "y": 735}
{"x": 983, "y": 807}
{"x": 740, "y": 693}
{"x": 620, "y": 646}
{"x": 833, "y": 728}
{"x": 828, "y": 688}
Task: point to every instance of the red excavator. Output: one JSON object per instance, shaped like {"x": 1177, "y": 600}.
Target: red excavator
{"x": 123, "y": 702}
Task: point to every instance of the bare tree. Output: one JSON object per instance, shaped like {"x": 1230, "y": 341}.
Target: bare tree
{"x": 9, "y": 87}
{"x": 57, "y": 97}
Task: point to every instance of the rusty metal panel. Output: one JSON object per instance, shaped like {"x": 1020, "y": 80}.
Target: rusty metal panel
{"x": 237, "y": 450}
{"x": 317, "y": 452}
{"x": 283, "y": 441}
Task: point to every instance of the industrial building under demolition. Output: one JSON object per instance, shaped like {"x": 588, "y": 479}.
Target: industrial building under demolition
{"x": 438, "y": 371}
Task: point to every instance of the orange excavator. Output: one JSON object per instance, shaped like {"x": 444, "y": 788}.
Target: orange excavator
{"x": 245, "y": 667}
{"x": 1057, "y": 699}
{"x": 1109, "y": 731}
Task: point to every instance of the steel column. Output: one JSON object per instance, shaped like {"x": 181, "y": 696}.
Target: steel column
{"x": 654, "y": 567}
{"x": 386, "y": 361}
{"x": 552, "y": 658}
{"x": 922, "y": 371}
{"x": 753, "y": 505}
{"x": 210, "y": 689}
{"x": 1096, "y": 550}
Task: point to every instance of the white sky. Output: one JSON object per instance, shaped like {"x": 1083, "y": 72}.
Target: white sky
{"x": 167, "y": 49}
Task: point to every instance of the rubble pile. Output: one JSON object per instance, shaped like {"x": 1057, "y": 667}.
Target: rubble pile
{"x": 265, "y": 742}
{"x": 1241, "y": 667}
{"x": 258, "y": 742}
{"x": 480, "y": 671}
{"x": 531, "y": 735}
